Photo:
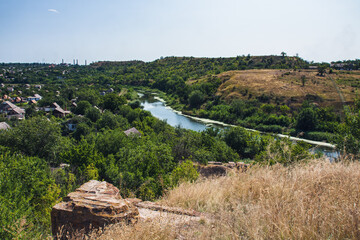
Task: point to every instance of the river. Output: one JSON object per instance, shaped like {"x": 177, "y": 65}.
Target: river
{"x": 158, "y": 109}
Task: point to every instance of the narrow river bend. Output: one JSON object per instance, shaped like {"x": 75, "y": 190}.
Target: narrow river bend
{"x": 174, "y": 118}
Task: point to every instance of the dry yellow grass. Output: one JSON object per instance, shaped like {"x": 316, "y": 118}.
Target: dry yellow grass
{"x": 317, "y": 200}
{"x": 286, "y": 84}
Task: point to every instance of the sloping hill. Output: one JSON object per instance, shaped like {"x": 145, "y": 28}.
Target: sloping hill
{"x": 286, "y": 86}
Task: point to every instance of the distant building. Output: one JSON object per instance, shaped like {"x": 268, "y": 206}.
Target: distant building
{"x": 4, "y": 126}
{"x": 6, "y": 97}
{"x": 10, "y": 89}
{"x": 11, "y": 110}
{"x": 18, "y": 100}
{"x": 110, "y": 90}
{"x": 58, "y": 111}
{"x": 38, "y": 86}
{"x": 36, "y": 97}
{"x": 132, "y": 132}
{"x": 2, "y": 85}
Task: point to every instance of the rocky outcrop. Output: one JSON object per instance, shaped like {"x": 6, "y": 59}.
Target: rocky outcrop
{"x": 93, "y": 205}
{"x": 214, "y": 169}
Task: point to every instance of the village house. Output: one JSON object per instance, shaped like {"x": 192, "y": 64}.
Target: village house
{"x": 132, "y": 132}
{"x": 32, "y": 102}
{"x": 17, "y": 100}
{"x": 38, "y": 87}
{"x": 10, "y": 89}
{"x": 71, "y": 126}
{"x": 11, "y": 110}
{"x": 6, "y": 97}
{"x": 110, "y": 90}
{"x": 56, "y": 109}
{"x": 36, "y": 97}
{"x": 2, "y": 85}
{"x": 4, "y": 126}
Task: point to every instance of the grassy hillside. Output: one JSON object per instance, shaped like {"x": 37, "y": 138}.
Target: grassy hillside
{"x": 318, "y": 200}
{"x": 286, "y": 86}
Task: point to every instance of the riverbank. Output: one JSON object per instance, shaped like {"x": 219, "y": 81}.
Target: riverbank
{"x": 215, "y": 123}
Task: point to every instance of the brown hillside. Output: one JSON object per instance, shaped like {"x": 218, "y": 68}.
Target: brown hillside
{"x": 286, "y": 86}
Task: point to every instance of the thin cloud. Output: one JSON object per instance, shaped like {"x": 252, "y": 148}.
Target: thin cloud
{"x": 53, "y": 10}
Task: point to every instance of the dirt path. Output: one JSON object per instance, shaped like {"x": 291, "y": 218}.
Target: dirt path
{"x": 338, "y": 90}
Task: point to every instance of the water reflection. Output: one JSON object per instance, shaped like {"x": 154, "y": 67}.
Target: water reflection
{"x": 160, "y": 111}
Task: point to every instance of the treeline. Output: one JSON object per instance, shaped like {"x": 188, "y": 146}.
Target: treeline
{"x": 170, "y": 75}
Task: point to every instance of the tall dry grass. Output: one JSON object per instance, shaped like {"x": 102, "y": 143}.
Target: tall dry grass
{"x": 317, "y": 200}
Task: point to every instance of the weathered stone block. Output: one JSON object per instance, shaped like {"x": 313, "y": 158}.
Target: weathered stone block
{"x": 93, "y": 205}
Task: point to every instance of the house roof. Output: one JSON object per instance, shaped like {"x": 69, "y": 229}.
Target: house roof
{"x": 18, "y": 110}
{"x": 10, "y": 104}
{"x": 59, "y": 109}
{"x": 132, "y": 131}
{"x": 13, "y": 107}
{"x": 56, "y": 105}
{"x": 4, "y": 126}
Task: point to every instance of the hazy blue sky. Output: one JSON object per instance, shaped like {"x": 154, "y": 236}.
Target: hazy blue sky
{"x": 51, "y": 30}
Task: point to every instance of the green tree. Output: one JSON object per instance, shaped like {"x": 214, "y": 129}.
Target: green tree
{"x": 27, "y": 194}
{"x": 93, "y": 114}
{"x": 85, "y": 161}
{"x": 196, "y": 98}
{"x": 322, "y": 69}
{"x": 307, "y": 119}
{"x": 82, "y": 129}
{"x": 37, "y": 136}
{"x": 185, "y": 172}
{"x": 244, "y": 142}
{"x": 81, "y": 107}
{"x": 303, "y": 80}
{"x": 348, "y": 132}
{"x": 112, "y": 102}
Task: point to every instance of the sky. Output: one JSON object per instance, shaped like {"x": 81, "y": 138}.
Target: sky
{"x": 117, "y": 30}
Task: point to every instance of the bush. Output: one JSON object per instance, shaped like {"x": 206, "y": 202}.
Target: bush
{"x": 27, "y": 194}
{"x": 185, "y": 172}
{"x": 196, "y": 98}
{"x": 320, "y": 136}
{"x": 270, "y": 128}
